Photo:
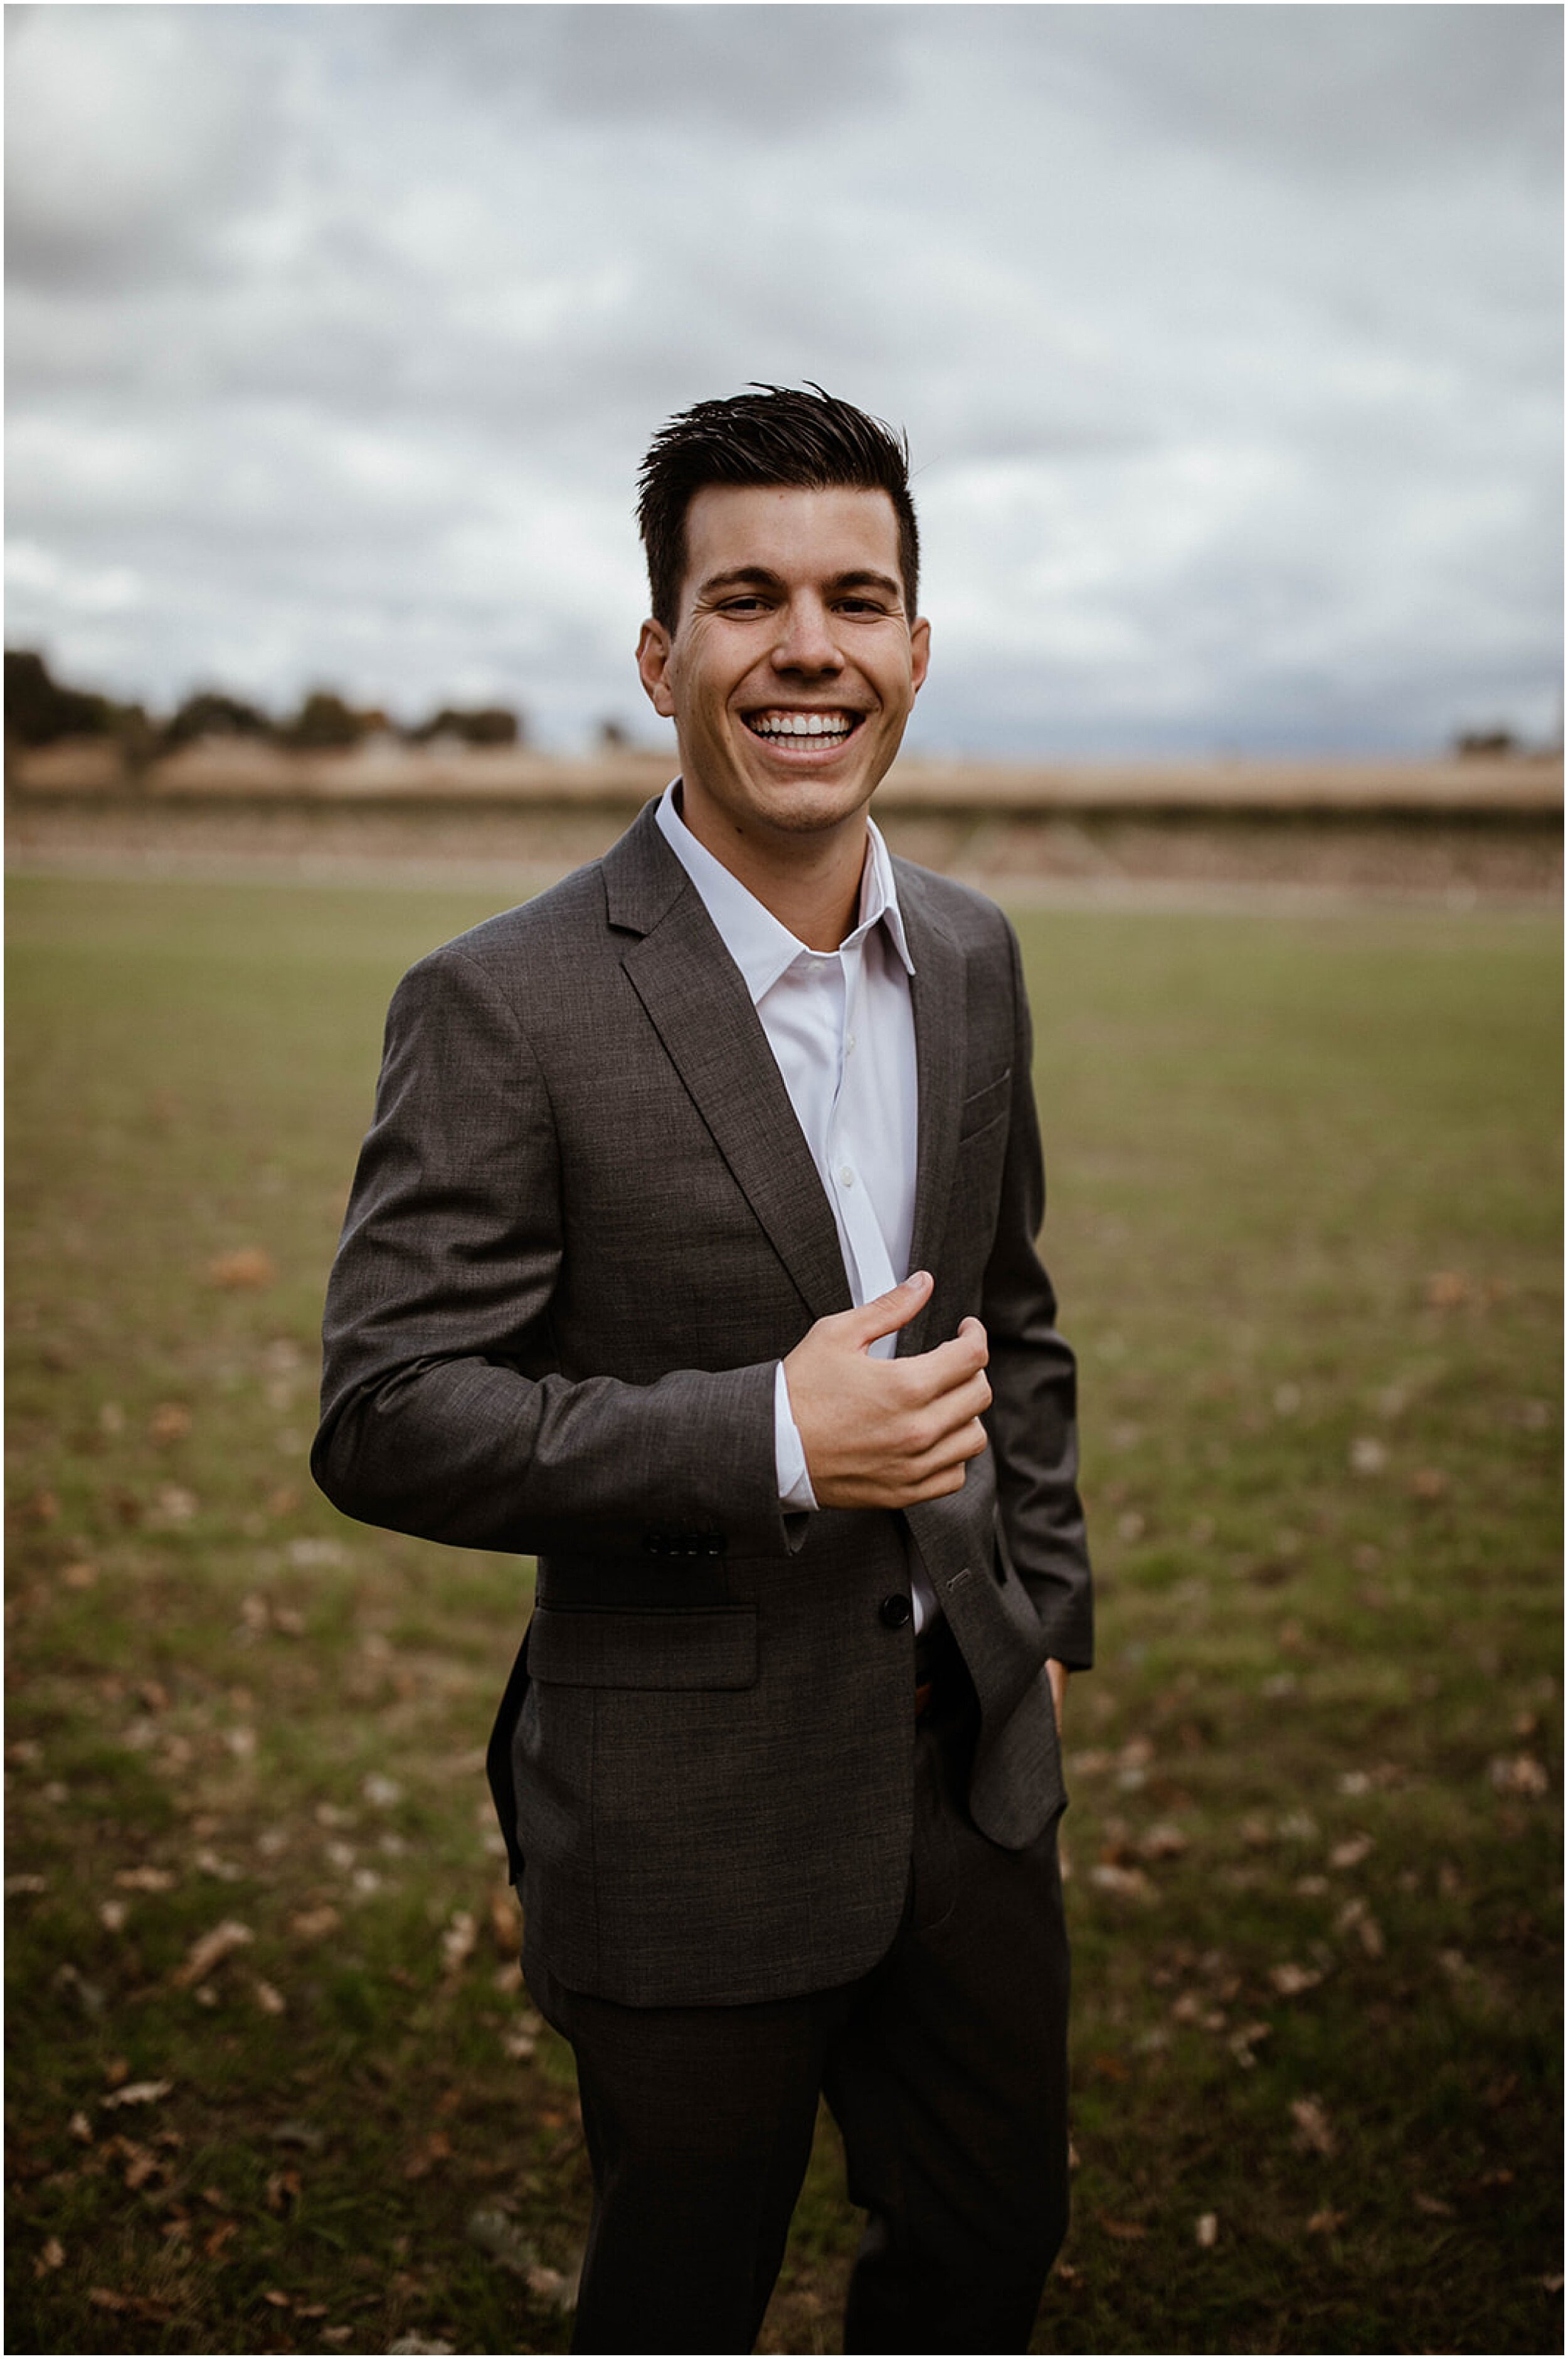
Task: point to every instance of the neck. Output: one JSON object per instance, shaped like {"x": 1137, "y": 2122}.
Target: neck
{"x": 809, "y": 881}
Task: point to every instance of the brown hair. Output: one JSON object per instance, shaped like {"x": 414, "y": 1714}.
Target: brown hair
{"x": 769, "y": 435}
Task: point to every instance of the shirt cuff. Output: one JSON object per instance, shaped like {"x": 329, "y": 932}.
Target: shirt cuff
{"x": 789, "y": 1451}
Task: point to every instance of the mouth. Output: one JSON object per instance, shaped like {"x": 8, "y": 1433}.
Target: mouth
{"x": 798, "y": 729}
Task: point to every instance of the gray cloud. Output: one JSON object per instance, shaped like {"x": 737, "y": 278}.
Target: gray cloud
{"x": 1228, "y": 339}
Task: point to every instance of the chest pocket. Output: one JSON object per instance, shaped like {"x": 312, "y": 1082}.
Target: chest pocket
{"x": 985, "y": 1106}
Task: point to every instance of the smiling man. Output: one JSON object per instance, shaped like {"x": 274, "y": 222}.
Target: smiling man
{"x": 692, "y": 1250}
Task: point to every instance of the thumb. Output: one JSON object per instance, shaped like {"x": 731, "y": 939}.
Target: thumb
{"x": 886, "y": 1313}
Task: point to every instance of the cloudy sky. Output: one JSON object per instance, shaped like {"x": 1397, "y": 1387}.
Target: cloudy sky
{"x": 1227, "y": 340}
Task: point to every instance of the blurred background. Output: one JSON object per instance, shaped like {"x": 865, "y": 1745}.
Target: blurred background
{"x": 1227, "y": 340}
{"x": 1228, "y": 344}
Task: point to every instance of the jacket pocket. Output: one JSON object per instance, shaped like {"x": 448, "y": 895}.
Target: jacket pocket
{"x": 576, "y": 1646}
{"x": 984, "y": 1107}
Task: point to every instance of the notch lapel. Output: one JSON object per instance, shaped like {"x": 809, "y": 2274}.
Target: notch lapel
{"x": 701, "y": 1010}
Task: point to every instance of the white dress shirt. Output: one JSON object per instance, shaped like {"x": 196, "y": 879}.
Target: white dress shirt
{"x": 841, "y": 1026}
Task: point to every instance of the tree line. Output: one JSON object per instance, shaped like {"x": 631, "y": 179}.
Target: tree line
{"x": 40, "y": 710}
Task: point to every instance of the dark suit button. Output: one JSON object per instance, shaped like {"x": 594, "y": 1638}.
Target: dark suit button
{"x": 896, "y": 1610}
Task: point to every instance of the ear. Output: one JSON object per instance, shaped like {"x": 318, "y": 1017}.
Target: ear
{"x": 653, "y": 666}
{"x": 919, "y": 650}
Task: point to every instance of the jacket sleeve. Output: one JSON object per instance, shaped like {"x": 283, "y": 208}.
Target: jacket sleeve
{"x": 443, "y": 1410}
{"x": 1032, "y": 1419}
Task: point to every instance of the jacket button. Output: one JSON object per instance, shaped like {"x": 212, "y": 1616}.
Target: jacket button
{"x": 896, "y": 1610}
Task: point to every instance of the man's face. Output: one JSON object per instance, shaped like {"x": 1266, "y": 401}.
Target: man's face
{"x": 792, "y": 666}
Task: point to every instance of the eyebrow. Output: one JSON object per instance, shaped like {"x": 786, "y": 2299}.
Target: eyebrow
{"x": 763, "y": 577}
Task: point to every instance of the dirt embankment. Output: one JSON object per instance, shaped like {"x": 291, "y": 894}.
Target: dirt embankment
{"x": 1463, "y": 831}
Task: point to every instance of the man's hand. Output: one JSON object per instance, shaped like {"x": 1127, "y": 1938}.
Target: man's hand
{"x": 887, "y": 1433}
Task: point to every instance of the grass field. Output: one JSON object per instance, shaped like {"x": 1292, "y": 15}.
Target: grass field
{"x": 272, "y": 2085}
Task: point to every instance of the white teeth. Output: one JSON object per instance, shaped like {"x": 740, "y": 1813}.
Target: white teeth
{"x": 802, "y": 724}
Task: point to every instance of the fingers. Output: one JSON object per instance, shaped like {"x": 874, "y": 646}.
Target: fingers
{"x": 886, "y": 1313}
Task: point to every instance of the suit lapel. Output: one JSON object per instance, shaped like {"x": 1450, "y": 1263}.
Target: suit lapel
{"x": 937, "y": 990}
{"x": 702, "y": 1012}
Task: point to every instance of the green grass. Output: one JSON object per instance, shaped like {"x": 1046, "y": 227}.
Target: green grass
{"x": 1305, "y": 1222}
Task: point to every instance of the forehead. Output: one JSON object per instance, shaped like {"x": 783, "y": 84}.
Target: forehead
{"x": 800, "y": 535}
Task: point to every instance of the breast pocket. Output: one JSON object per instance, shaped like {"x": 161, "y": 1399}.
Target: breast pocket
{"x": 985, "y": 1106}
{"x": 673, "y": 1647}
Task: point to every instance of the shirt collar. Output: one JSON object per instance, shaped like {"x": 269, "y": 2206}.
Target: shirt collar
{"x": 760, "y": 945}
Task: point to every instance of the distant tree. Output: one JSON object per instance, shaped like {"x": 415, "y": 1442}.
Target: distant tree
{"x": 485, "y": 724}
{"x": 324, "y": 723}
{"x": 613, "y": 738}
{"x": 1485, "y": 741}
{"x": 211, "y": 713}
{"x": 38, "y": 709}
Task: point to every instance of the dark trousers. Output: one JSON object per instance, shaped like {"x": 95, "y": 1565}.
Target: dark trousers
{"x": 946, "y": 2069}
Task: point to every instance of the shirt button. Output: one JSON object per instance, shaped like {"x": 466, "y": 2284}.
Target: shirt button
{"x": 850, "y": 1044}
{"x": 846, "y": 1175}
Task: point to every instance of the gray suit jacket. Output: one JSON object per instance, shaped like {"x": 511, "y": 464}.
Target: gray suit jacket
{"x": 585, "y": 1227}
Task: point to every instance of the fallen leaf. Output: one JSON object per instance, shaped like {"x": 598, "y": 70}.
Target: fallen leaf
{"x": 223, "y": 2234}
{"x": 137, "y": 2093}
{"x": 172, "y": 1506}
{"x": 381, "y": 1793}
{"x": 17, "y": 1885}
{"x": 102, "y": 2299}
{"x": 276, "y": 2297}
{"x": 1325, "y": 2222}
{"x": 1446, "y": 1289}
{"x": 519, "y": 2045}
{"x": 458, "y": 1941}
{"x": 1206, "y": 2230}
{"x": 1164, "y": 1841}
{"x": 80, "y": 1575}
{"x": 436, "y": 2147}
{"x": 52, "y": 2256}
{"x": 1256, "y": 1831}
{"x": 1521, "y": 1774}
{"x": 210, "y": 1951}
{"x": 1126, "y": 2231}
{"x": 79, "y": 2128}
{"x": 282, "y": 2190}
{"x": 145, "y": 1879}
{"x": 1351, "y": 1853}
{"x": 1243, "y": 2041}
{"x": 301, "y": 2134}
{"x": 1127, "y": 1883}
{"x": 314, "y": 1924}
{"x": 1368, "y": 1455}
{"x": 1290, "y": 1981}
{"x": 170, "y": 1421}
{"x": 1314, "y": 2135}
{"x": 1429, "y": 1483}
{"x": 270, "y": 2000}
{"x": 495, "y": 2234}
{"x": 1434, "y": 2205}
{"x": 112, "y": 1914}
{"x": 1358, "y": 1918}
{"x": 248, "y": 1266}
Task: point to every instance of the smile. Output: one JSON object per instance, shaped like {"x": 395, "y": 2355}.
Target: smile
{"x": 821, "y": 728}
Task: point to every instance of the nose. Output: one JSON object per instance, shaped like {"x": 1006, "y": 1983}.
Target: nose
{"x": 806, "y": 642}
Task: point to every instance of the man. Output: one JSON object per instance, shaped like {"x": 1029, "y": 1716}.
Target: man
{"x": 693, "y": 1249}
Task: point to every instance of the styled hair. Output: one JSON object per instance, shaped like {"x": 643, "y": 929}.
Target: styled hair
{"x": 772, "y": 436}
